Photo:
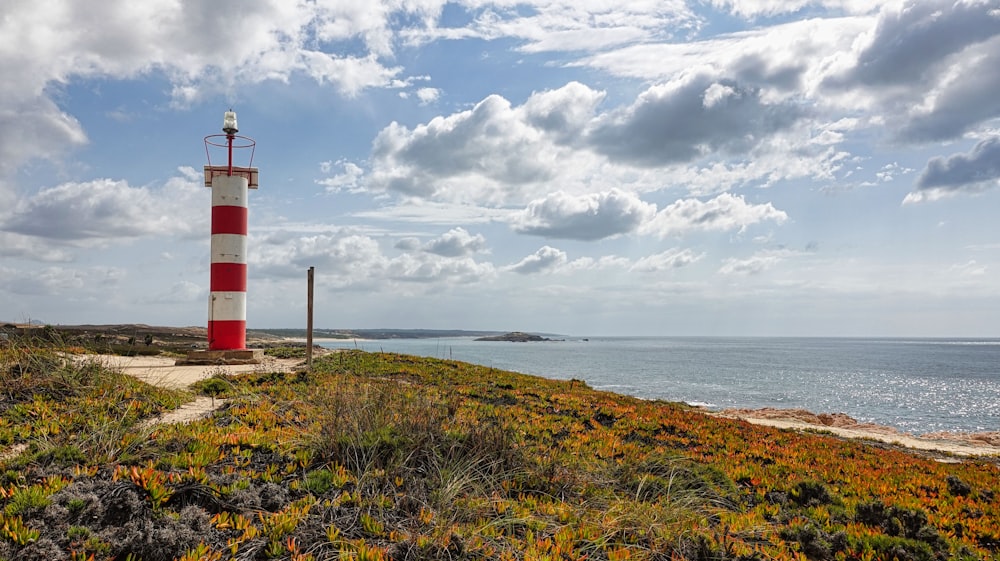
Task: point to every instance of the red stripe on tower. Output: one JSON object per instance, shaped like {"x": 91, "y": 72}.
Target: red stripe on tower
{"x": 229, "y": 219}
{"x": 227, "y": 308}
{"x": 228, "y": 277}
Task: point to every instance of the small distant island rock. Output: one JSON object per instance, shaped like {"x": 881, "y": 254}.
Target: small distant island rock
{"x": 515, "y": 337}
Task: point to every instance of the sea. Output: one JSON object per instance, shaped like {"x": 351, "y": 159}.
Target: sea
{"x": 914, "y": 385}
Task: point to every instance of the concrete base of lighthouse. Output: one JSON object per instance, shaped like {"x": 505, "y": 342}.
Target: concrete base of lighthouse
{"x": 238, "y": 356}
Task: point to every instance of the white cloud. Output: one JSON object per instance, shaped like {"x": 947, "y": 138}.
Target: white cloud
{"x": 969, "y": 173}
{"x": 494, "y": 153}
{"x": 189, "y": 40}
{"x": 427, "y": 212}
{"x": 350, "y": 75}
{"x": 497, "y": 154}
{"x": 891, "y": 171}
{"x": 754, "y": 265}
{"x": 348, "y": 180}
{"x": 603, "y": 262}
{"x": 428, "y": 95}
{"x": 34, "y": 128}
{"x": 688, "y": 118}
{"x": 567, "y": 25}
{"x": 472, "y": 155}
{"x": 969, "y": 269}
{"x": 32, "y": 248}
{"x": 457, "y": 242}
{"x": 546, "y": 260}
{"x": 564, "y": 112}
{"x": 347, "y": 259}
{"x": 425, "y": 268}
{"x": 585, "y": 217}
{"x": 370, "y": 21}
{"x": 724, "y": 212}
{"x": 408, "y": 243}
{"x": 343, "y": 258}
{"x": 911, "y": 40}
{"x": 201, "y": 48}
{"x": 926, "y": 195}
{"x": 784, "y": 157}
{"x": 673, "y": 258}
{"x": 77, "y": 284}
{"x": 769, "y": 8}
{"x": 919, "y": 71}
{"x": 787, "y": 59}
{"x": 105, "y": 211}
{"x": 927, "y": 66}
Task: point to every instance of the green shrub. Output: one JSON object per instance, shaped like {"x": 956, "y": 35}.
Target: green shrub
{"x": 319, "y": 481}
{"x": 895, "y": 548}
{"x": 26, "y": 499}
{"x": 911, "y": 524}
{"x": 76, "y": 505}
{"x": 813, "y": 541}
{"x": 75, "y": 533}
{"x": 215, "y": 386}
{"x": 64, "y": 455}
{"x": 958, "y": 487}
{"x": 811, "y": 493}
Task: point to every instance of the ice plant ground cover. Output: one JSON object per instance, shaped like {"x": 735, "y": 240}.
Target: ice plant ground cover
{"x": 381, "y": 456}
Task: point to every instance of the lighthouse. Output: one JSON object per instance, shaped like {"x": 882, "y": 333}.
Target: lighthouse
{"x": 227, "y": 299}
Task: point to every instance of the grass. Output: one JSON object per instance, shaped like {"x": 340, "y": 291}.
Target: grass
{"x": 382, "y": 456}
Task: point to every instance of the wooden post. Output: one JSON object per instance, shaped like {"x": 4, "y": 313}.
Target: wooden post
{"x": 309, "y": 320}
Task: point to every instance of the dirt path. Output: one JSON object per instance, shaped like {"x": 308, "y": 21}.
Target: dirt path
{"x": 162, "y": 371}
{"x": 202, "y": 406}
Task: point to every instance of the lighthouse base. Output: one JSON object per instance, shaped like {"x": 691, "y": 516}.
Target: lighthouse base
{"x": 241, "y": 356}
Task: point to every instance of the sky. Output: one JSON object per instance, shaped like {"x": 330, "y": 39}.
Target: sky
{"x": 582, "y": 167}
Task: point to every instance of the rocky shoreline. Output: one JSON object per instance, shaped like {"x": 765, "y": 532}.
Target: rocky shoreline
{"x": 839, "y": 424}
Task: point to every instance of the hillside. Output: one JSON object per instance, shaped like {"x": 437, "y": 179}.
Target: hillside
{"x": 382, "y": 456}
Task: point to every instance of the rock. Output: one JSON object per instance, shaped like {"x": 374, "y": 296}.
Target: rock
{"x": 515, "y": 337}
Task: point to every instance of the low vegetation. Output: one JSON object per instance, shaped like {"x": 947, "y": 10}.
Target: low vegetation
{"x": 374, "y": 456}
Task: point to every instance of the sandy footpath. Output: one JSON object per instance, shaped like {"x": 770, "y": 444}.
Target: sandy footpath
{"x": 161, "y": 371}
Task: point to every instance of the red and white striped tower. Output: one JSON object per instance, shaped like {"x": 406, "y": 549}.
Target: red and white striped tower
{"x": 227, "y": 307}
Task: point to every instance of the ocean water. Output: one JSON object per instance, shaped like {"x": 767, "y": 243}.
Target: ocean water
{"x": 914, "y": 385}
